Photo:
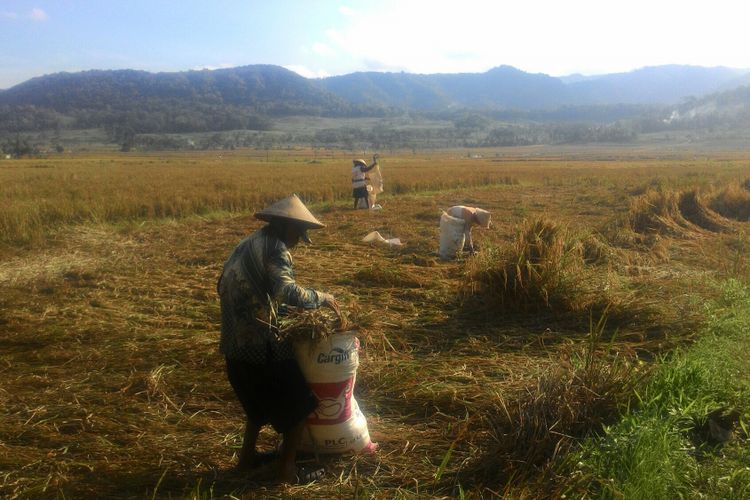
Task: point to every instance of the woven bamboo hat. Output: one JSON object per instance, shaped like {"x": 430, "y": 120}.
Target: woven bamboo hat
{"x": 290, "y": 209}
{"x": 360, "y": 161}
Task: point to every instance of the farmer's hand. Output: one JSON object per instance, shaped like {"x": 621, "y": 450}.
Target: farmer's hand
{"x": 329, "y": 301}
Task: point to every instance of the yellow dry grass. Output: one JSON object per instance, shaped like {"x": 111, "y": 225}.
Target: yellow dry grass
{"x": 733, "y": 201}
{"x": 112, "y": 385}
{"x": 39, "y": 195}
{"x": 542, "y": 269}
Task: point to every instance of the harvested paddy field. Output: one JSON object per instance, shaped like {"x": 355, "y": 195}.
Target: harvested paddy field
{"x": 476, "y": 375}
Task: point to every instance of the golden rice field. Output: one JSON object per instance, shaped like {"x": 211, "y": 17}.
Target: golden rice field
{"x": 476, "y": 376}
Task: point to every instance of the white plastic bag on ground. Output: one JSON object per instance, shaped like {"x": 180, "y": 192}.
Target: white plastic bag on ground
{"x": 376, "y": 237}
{"x": 330, "y": 367}
{"x": 452, "y": 236}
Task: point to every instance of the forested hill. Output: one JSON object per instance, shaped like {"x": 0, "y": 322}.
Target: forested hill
{"x": 274, "y": 90}
{"x": 125, "y": 102}
{"x": 267, "y": 89}
{"x": 504, "y": 87}
{"x": 247, "y": 97}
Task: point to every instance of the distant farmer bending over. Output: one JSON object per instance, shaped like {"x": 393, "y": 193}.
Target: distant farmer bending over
{"x": 359, "y": 180}
{"x": 472, "y": 216}
{"x": 257, "y": 278}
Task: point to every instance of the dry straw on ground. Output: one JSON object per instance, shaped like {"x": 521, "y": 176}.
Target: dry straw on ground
{"x": 689, "y": 213}
{"x": 113, "y": 386}
{"x": 584, "y": 390}
{"x": 658, "y": 211}
{"x": 733, "y": 201}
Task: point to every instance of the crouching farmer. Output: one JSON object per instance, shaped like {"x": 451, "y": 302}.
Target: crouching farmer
{"x": 258, "y": 278}
{"x": 472, "y": 216}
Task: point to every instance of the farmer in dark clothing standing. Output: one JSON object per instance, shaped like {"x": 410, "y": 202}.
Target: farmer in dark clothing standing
{"x": 258, "y": 278}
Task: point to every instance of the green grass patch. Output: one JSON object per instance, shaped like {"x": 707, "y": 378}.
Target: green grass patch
{"x": 687, "y": 436}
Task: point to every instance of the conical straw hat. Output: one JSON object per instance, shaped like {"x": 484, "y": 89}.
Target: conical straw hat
{"x": 290, "y": 209}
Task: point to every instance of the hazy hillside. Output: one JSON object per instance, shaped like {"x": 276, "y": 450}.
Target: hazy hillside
{"x": 277, "y": 91}
{"x": 128, "y": 102}
{"x": 506, "y": 87}
{"x": 499, "y": 88}
{"x": 653, "y": 85}
{"x": 402, "y": 90}
{"x": 722, "y": 109}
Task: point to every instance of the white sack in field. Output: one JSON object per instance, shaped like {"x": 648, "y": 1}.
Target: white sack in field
{"x": 330, "y": 367}
{"x": 452, "y": 236}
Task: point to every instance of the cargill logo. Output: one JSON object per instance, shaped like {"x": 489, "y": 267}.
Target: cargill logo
{"x": 336, "y": 356}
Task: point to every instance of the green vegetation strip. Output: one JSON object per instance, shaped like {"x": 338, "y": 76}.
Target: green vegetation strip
{"x": 688, "y": 434}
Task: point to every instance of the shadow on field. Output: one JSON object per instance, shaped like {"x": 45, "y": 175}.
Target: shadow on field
{"x": 158, "y": 483}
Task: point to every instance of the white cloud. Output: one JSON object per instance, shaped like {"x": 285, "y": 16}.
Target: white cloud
{"x": 8, "y": 15}
{"x": 553, "y": 37}
{"x": 450, "y": 39}
{"x": 38, "y": 14}
{"x": 323, "y": 49}
{"x": 307, "y": 72}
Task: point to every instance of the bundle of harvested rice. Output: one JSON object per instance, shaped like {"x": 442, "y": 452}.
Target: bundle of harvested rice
{"x": 311, "y": 324}
{"x": 658, "y": 211}
{"x": 695, "y": 207}
{"x": 732, "y": 202}
{"x": 540, "y": 269}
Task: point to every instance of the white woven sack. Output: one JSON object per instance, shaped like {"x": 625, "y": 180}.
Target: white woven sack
{"x": 330, "y": 367}
{"x": 452, "y": 236}
{"x": 329, "y": 359}
{"x": 350, "y": 436}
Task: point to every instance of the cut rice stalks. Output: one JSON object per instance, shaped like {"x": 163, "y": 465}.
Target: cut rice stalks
{"x": 312, "y": 324}
{"x": 541, "y": 269}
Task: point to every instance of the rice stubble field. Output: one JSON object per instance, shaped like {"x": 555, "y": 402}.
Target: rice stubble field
{"x": 476, "y": 375}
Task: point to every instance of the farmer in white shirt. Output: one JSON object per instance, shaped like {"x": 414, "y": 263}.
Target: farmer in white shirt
{"x": 472, "y": 216}
{"x": 359, "y": 180}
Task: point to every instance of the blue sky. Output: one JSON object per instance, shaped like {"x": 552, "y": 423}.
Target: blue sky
{"x": 319, "y": 38}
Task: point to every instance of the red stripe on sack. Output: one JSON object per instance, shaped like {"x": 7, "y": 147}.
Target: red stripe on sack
{"x": 335, "y": 404}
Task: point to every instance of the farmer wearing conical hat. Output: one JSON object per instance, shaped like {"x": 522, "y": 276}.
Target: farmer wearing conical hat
{"x": 472, "y": 216}
{"x": 359, "y": 180}
{"x": 256, "y": 280}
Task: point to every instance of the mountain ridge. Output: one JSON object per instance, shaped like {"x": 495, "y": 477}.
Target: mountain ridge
{"x": 126, "y": 102}
{"x": 502, "y": 87}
